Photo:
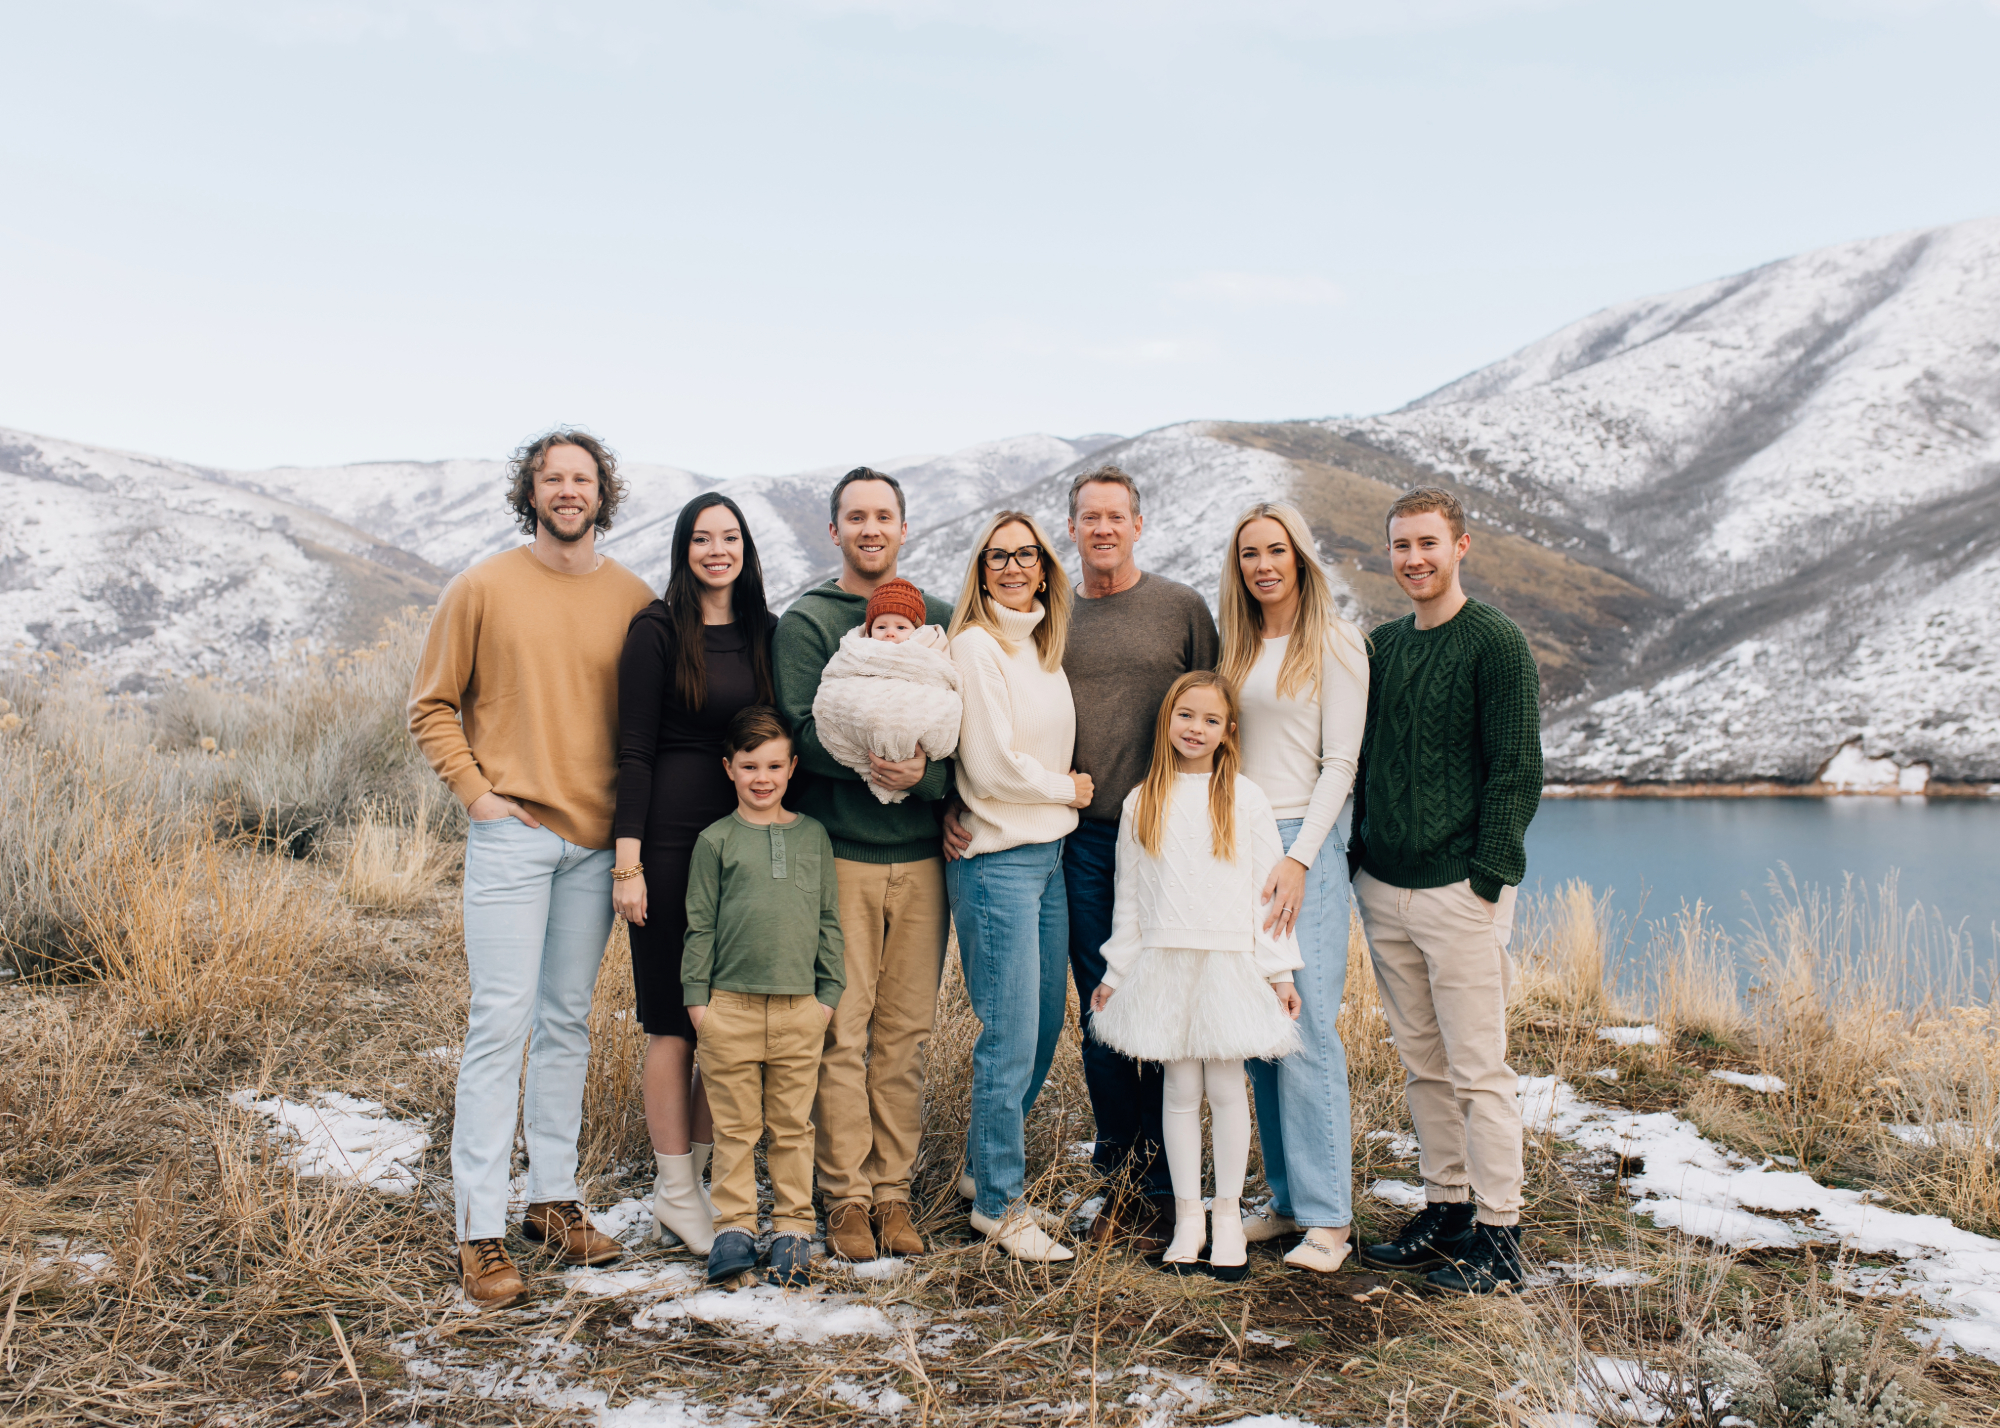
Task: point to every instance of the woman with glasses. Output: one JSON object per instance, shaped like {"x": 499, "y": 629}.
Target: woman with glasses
{"x": 1007, "y": 900}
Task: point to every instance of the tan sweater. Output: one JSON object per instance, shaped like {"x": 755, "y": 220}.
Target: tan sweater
{"x": 517, "y": 688}
{"x": 1016, "y": 738}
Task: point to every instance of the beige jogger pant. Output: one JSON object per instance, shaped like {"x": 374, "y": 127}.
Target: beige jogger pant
{"x": 1441, "y": 961}
{"x": 759, "y": 1057}
{"x": 870, "y": 1109}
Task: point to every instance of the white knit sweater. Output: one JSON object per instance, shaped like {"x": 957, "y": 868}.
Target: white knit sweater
{"x": 1016, "y": 739}
{"x": 1187, "y": 897}
{"x": 1301, "y": 750}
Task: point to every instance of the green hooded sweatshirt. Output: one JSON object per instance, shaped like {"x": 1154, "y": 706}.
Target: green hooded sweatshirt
{"x": 863, "y": 829}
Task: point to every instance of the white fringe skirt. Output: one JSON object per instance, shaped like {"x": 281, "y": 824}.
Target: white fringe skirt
{"x": 1181, "y": 1004}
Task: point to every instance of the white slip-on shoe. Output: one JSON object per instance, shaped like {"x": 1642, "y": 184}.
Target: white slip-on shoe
{"x": 1323, "y": 1249}
{"x": 968, "y": 1188}
{"x": 677, "y": 1206}
{"x": 1265, "y": 1223}
{"x": 1190, "y": 1234}
{"x": 1021, "y": 1237}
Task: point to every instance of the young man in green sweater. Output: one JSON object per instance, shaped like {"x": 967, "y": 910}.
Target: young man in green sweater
{"x": 890, "y": 861}
{"x": 761, "y": 971}
{"x": 1451, "y": 773}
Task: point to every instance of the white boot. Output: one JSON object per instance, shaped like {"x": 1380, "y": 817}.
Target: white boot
{"x": 1230, "y": 1247}
{"x": 1190, "y": 1233}
{"x": 701, "y": 1150}
{"x": 677, "y": 1207}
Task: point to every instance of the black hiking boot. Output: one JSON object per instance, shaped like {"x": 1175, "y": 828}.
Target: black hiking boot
{"x": 1436, "y": 1234}
{"x": 1492, "y": 1259}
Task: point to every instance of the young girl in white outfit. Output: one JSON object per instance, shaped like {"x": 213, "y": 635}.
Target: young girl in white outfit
{"x": 1192, "y": 978}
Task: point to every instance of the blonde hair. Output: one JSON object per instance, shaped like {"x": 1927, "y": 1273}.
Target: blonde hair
{"x": 1156, "y": 793}
{"x": 1319, "y": 620}
{"x": 975, "y": 606}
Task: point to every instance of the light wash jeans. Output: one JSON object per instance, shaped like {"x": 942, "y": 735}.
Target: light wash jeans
{"x": 1012, "y": 916}
{"x": 1302, "y": 1110}
{"x": 537, "y": 916}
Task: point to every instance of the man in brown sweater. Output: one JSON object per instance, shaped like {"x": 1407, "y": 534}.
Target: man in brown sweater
{"x": 515, "y": 704}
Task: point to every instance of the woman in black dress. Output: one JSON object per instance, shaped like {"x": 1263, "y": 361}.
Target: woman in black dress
{"x": 692, "y": 659}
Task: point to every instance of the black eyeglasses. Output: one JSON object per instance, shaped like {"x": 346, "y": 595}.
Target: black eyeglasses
{"x": 1027, "y": 557}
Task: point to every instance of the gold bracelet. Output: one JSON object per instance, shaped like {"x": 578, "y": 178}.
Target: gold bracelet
{"x": 618, "y": 875}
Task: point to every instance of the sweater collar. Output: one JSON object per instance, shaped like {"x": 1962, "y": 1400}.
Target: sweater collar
{"x": 1015, "y": 625}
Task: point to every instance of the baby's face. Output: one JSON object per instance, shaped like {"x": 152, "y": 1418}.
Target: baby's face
{"x": 893, "y": 628}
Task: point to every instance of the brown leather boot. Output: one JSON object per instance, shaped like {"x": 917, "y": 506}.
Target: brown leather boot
{"x": 491, "y": 1281}
{"x": 847, "y": 1232}
{"x": 565, "y": 1229}
{"x": 895, "y": 1232}
{"x": 1132, "y": 1222}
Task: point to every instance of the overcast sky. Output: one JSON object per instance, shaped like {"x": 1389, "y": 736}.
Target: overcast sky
{"x": 777, "y": 234}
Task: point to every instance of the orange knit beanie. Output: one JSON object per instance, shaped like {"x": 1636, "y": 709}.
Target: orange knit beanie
{"x": 895, "y": 597}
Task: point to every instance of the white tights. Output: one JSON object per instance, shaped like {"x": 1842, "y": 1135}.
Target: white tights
{"x": 1229, "y": 1119}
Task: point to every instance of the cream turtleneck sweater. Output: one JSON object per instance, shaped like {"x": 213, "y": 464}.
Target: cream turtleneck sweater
{"x": 1017, "y": 738}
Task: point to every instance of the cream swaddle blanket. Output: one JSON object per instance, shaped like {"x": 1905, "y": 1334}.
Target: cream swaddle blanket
{"x": 889, "y": 700}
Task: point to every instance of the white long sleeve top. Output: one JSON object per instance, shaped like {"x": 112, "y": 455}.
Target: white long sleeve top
{"x": 1016, "y": 739}
{"x": 1187, "y": 897}
{"x": 1302, "y": 749}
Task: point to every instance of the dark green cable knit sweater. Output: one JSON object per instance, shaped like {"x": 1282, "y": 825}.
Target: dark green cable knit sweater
{"x": 863, "y": 830}
{"x": 1451, "y": 761}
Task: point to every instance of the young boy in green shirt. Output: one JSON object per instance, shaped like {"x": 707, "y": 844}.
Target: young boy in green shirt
{"x": 761, "y": 971}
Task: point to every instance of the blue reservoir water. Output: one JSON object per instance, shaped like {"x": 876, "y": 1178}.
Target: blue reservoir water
{"x": 1652, "y": 854}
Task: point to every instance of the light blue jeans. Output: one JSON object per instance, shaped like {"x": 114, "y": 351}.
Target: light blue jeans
{"x": 1302, "y": 1112}
{"x": 1012, "y": 915}
{"x": 537, "y": 916}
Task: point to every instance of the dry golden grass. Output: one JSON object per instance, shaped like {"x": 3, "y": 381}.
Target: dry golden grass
{"x": 170, "y": 958}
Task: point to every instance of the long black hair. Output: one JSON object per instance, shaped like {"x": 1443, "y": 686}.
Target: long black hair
{"x": 746, "y": 600}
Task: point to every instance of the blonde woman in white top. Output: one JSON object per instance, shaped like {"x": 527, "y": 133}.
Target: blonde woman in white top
{"x": 1015, "y": 744}
{"x": 1301, "y": 673}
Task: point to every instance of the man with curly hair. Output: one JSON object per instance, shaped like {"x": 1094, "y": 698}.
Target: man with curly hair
{"x": 515, "y": 704}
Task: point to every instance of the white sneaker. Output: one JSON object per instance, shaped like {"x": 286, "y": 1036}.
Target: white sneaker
{"x": 1021, "y": 1237}
{"x": 1322, "y": 1249}
{"x": 1264, "y": 1223}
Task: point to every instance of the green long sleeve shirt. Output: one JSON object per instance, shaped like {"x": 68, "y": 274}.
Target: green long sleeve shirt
{"x": 763, "y": 912}
{"x": 863, "y": 829}
{"x": 1451, "y": 759}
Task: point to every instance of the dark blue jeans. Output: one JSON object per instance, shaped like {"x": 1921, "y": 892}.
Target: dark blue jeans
{"x": 1125, "y": 1095}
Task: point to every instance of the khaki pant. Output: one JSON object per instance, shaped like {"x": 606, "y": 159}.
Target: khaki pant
{"x": 870, "y": 1109}
{"x": 1441, "y": 960}
{"x": 759, "y": 1057}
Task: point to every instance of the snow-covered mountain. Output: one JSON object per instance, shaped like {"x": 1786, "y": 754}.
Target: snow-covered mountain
{"x": 153, "y": 568}
{"x": 1748, "y": 528}
{"x": 1805, "y": 461}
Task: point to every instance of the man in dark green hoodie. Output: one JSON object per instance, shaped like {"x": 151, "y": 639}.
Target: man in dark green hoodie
{"x": 893, "y": 914}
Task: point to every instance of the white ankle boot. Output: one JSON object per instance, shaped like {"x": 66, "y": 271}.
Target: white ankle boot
{"x": 678, "y": 1205}
{"x": 1021, "y": 1237}
{"x": 1230, "y": 1248}
{"x": 1190, "y": 1234}
{"x": 701, "y": 1151}
{"x": 1265, "y": 1223}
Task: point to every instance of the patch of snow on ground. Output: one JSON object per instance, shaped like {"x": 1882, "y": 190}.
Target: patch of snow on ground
{"x": 1945, "y": 1135}
{"x": 1602, "y": 1276}
{"x": 1399, "y": 1192}
{"x": 615, "y": 1283}
{"x": 1401, "y": 1144}
{"x": 84, "y": 1266}
{"x": 1606, "y": 1074}
{"x": 1686, "y": 1182}
{"x": 1624, "y": 1391}
{"x": 1765, "y": 1085}
{"x": 784, "y": 1316}
{"x": 629, "y": 1221}
{"x": 1269, "y": 1420}
{"x": 882, "y": 1400}
{"x": 1162, "y": 1397}
{"x": 1629, "y": 1035}
{"x": 887, "y": 1267}
{"x": 342, "y": 1137}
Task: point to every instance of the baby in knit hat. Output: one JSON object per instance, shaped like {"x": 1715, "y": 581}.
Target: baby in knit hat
{"x": 890, "y": 689}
